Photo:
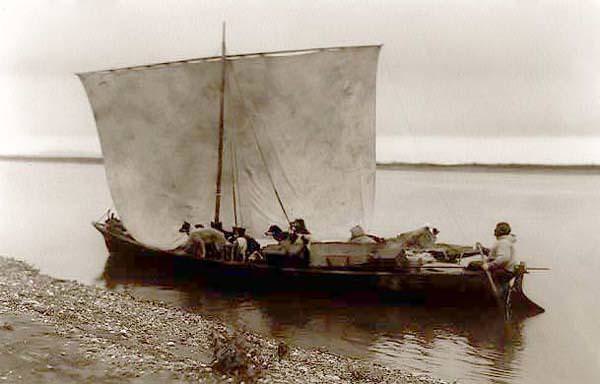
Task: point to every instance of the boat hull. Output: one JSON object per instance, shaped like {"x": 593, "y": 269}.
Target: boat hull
{"x": 425, "y": 285}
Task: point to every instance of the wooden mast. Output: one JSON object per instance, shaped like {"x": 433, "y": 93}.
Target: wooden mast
{"x": 217, "y": 221}
{"x": 234, "y": 182}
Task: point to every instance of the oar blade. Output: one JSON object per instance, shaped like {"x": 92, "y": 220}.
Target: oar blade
{"x": 520, "y": 303}
{"x": 524, "y": 305}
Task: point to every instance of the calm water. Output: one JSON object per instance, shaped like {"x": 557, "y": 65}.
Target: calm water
{"x": 47, "y": 209}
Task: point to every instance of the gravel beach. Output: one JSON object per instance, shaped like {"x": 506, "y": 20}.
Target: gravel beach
{"x": 54, "y": 330}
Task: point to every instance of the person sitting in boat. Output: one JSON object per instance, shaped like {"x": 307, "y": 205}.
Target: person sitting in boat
{"x": 502, "y": 254}
{"x": 358, "y": 235}
{"x": 299, "y": 232}
{"x": 203, "y": 242}
{"x": 298, "y": 228}
{"x": 290, "y": 245}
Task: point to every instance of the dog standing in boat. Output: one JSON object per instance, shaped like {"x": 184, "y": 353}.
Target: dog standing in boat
{"x": 246, "y": 248}
{"x": 292, "y": 243}
{"x": 202, "y": 242}
{"x": 279, "y": 235}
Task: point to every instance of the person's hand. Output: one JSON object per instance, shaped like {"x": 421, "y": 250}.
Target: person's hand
{"x": 485, "y": 266}
{"x": 482, "y": 249}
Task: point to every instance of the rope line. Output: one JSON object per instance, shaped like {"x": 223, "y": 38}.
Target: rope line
{"x": 260, "y": 151}
{"x": 234, "y": 185}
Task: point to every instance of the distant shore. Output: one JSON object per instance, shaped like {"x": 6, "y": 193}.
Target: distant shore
{"x": 53, "y": 159}
{"x": 474, "y": 167}
{"x": 54, "y": 330}
{"x": 381, "y": 166}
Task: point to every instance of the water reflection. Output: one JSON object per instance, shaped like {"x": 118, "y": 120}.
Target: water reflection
{"x": 455, "y": 342}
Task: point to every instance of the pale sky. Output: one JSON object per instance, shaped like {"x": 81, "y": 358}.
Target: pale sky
{"x": 472, "y": 70}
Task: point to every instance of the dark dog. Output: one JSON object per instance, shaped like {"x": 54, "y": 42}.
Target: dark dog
{"x": 279, "y": 235}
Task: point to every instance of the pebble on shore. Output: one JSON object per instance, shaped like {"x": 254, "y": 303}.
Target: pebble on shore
{"x": 97, "y": 335}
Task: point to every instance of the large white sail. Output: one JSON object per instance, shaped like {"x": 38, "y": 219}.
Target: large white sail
{"x": 301, "y": 121}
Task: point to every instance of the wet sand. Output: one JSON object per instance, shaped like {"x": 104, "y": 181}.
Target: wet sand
{"x": 54, "y": 330}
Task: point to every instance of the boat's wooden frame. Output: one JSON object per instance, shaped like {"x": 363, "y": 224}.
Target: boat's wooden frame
{"x": 434, "y": 283}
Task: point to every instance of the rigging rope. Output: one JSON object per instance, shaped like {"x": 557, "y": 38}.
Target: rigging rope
{"x": 234, "y": 177}
{"x": 264, "y": 160}
{"x": 260, "y": 151}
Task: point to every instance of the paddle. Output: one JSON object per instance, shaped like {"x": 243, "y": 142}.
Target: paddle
{"x": 489, "y": 277}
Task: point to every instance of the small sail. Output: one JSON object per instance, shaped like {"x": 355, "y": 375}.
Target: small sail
{"x": 311, "y": 114}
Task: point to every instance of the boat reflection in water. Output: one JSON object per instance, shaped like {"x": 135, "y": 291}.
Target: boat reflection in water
{"x": 453, "y": 342}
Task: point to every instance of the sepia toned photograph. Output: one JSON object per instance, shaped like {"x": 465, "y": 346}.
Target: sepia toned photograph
{"x": 329, "y": 191}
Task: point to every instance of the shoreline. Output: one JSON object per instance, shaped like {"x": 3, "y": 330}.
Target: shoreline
{"x": 53, "y": 159}
{"x": 477, "y": 167}
{"x": 55, "y": 330}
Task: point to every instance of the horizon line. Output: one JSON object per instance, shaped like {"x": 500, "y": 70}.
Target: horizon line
{"x": 379, "y": 165}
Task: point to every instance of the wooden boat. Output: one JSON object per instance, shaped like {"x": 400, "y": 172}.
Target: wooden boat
{"x": 280, "y": 135}
{"x": 434, "y": 283}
